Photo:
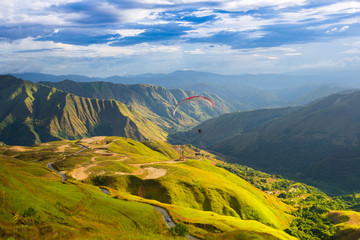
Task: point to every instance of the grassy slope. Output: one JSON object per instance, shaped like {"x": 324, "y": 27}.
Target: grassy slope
{"x": 348, "y": 222}
{"x": 186, "y": 190}
{"x": 38, "y": 113}
{"x": 66, "y": 211}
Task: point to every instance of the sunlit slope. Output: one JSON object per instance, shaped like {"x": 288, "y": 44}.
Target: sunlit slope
{"x": 35, "y": 204}
{"x": 348, "y": 223}
{"x": 199, "y": 185}
{"x": 155, "y": 103}
{"x": 33, "y": 113}
{"x": 192, "y": 183}
{"x": 182, "y": 179}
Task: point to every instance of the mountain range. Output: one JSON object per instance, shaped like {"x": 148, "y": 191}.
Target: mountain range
{"x": 318, "y": 143}
{"x": 38, "y": 112}
{"x": 32, "y": 113}
{"x": 244, "y": 92}
{"x": 154, "y": 102}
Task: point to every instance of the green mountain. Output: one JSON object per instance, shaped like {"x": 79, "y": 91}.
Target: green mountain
{"x": 33, "y": 113}
{"x": 155, "y": 103}
{"x": 212, "y": 202}
{"x": 318, "y": 144}
{"x": 227, "y": 126}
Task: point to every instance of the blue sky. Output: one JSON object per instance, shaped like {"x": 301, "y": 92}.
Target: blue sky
{"x": 124, "y": 37}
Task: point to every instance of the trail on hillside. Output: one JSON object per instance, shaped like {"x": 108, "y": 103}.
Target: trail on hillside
{"x": 63, "y": 177}
{"x": 80, "y": 172}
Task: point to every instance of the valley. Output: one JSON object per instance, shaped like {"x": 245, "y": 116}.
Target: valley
{"x": 179, "y": 119}
{"x": 101, "y": 143}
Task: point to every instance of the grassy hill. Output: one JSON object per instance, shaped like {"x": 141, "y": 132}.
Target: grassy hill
{"x": 211, "y": 201}
{"x": 348, "y": 222}
{"x": 318, "y": 144}
{"x": 227, "y": 126}
{"x": 33, "y": 113}
{"x": 155, "y": 103}
{"x": 36, "y": 205}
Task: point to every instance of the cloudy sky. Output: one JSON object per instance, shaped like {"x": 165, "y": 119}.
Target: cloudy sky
{"x": 124, "y": 37}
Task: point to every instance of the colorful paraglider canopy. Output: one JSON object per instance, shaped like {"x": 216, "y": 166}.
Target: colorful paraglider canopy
{"x": 193, "y": 98}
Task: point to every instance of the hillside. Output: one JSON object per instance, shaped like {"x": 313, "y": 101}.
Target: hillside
{"x": 33, "y": 113}
{"x": 211, "y": 201}
{"x": 227, "y": 126}
{"x": 318, "y": 144}
{"x": 36, "y": 205}
{"x": 155, "y": 103}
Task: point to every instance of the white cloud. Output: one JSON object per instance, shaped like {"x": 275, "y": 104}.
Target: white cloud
{"x": 127, "y": 32}
{"x": 293, "y": 54}
{"x": 26, "y": 11}
{"x": 344, "y": 28}
{"x": 248, "y": 5}
{"x": 224, "y": 22}
{"x": 322, "y": 13}
{"x": 351, "y": 51}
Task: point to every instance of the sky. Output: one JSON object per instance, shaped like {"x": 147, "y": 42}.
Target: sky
{"x": 126, "y": 37}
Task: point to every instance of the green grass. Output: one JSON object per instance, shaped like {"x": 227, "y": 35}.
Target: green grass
{"x": 348, "y": 223}
{"x": 67, "y": 211}
{"x": 209, "y": 199}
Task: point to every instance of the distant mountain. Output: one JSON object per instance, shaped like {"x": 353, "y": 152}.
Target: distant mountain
{"x": 154, "y": 102}
{"x": 227, "y": 126}
{"x": 319, "y": 144}
{"x": 187, "y": 77}
{"x": 320, "y": 92}
{"x": 244, "y": 92}
{"x": 33, "y": 113}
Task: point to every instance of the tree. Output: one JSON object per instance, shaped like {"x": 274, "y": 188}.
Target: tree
{"x": 180, "y": 230}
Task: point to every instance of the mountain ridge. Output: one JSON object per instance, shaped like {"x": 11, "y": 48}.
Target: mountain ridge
{"x": 318, "y": 143}
{"x": 38, "y": 113}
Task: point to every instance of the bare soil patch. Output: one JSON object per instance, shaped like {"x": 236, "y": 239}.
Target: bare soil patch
{"x": 80, "y": 172}
{"x": 93, "y": 139}
{"x": 20, "y": 149}
{"x": 154, "y": 173}
{"x": 62, "y": 148}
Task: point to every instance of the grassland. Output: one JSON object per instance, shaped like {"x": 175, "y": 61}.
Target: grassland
{"x": 211, "y": 201}
{"x": 348, "y": 222}
{"x": 36, "y": 205}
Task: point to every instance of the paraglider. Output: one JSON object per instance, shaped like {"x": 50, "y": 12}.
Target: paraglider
{"x": 193, "y": 98}
{"x": 199, "y": 131}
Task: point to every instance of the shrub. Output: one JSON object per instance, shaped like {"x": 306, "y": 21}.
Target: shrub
{"x": 180, "y": 230}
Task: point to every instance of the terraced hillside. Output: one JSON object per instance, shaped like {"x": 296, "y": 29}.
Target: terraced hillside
{"x": 211, "y": 201}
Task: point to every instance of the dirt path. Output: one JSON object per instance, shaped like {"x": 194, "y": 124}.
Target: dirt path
{"x": 154, "y": 173}
{"x": 80, "y": 172}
